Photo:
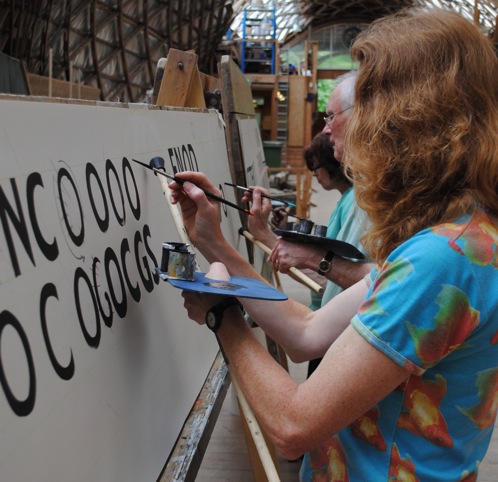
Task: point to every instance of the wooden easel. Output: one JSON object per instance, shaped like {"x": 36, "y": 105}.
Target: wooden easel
{"x": 180, "y": 84}
{"x": 237, "y": 104}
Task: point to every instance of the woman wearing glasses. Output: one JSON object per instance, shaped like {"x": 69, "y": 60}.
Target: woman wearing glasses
{"x": 347, "y": 222}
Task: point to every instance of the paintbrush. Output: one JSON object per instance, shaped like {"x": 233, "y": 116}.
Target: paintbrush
{"x": 242, "y": 188}
{"x": 207, "y": 193}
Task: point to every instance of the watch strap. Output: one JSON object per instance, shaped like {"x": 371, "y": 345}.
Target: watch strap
{"x": 218, "y": 310}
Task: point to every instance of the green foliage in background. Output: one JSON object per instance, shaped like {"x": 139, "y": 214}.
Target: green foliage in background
{"x": 324, "y": 89}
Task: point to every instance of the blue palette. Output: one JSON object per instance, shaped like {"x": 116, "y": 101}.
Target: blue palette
{"x": 236, "y": 286}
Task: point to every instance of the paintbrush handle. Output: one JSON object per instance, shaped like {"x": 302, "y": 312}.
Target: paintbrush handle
{"x": 161, "y": 172}
{"x": 293, "y": 271}
{"x": 206, "y": 192}
{"x": 242, "y": 188}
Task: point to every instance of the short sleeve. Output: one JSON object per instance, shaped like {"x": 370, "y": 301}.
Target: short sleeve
{"x": 419, "y": 307}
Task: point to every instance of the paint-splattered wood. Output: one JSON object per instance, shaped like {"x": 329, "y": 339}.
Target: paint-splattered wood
{"x": 239, "y": 95}
{"x": 237, "y": 104}
{"x": 185, "y": 460}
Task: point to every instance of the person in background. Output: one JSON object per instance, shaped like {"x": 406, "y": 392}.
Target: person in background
{"x": 340, "y": 272}
{"x": 407, "y": 386}
{"x": 348, "y": 226}
{"x": 347, "y": 221}
{"x": 320, "y": 160}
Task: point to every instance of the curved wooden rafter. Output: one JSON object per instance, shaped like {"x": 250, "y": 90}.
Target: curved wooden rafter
{"x": 115, "y": 45}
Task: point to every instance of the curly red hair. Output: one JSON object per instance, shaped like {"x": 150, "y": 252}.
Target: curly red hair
{"x": 421, "y": 143}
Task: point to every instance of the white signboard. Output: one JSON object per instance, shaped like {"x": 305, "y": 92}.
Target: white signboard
{"x": 253, "y": 153}
{"x": 99, "y": 364}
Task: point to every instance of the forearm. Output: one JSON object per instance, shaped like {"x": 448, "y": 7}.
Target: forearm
{"x": 256, "y": 371}
{"x": 346, "y": 273}
{"x": 266, "y": 236}
{"x": 297, "y": 418}
{"x": 342, "y": 272}
{"x": 285, "y": 322}
{"x": 306, "y": 334}
{"x": 221, "y": 250}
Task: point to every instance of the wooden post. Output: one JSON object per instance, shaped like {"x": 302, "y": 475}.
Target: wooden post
{"x": 50, "y": 60}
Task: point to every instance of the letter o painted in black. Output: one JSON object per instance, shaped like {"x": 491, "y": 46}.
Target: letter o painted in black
{"x": 103, "y": 223}
{"x": 77, "y": 239}
{"x": 134, "y": 209}
{"x": 22, "y": 408}
{"x": 109, "y": 167}
{"x": 195, "y": 166}
{"x": 92, "y": 341}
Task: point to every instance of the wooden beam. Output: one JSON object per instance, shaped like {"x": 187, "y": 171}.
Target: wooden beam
{"x": 39, "y": 85}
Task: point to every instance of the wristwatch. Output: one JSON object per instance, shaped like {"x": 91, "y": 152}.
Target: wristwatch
{"x": 325, "y": 263}
{"x": 215, "y": 314}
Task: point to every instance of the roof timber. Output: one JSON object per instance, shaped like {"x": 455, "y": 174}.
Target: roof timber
{"x": 114, "y": 45}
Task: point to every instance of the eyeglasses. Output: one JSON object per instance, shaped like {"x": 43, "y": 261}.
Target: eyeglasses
{"x": 313, "y": 167}
{"x": 328, "y": 119}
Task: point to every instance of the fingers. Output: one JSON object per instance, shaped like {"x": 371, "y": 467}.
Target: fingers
{"x": 180, "y": 191}
{"x": 199, "y": 179}
{"x": 247, "y": 197}
{"x": 273, "y": 256}
{"x": 194, "y": 192}
{"x": 280, "y": 217}
{"x": 278, "y": 265}
{"x": 197, "y": 304}
{"x": 274, "y": 252}
{"x": 261, "y": 205}
{"x": 190, "y": 304}
{"x": 282, "y": 255}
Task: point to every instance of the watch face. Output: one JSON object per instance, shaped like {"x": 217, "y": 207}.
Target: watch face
{"x": 324, "y": 265}
{"x": 210, "y": 319}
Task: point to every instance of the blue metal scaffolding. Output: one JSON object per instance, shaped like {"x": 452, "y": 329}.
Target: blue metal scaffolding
{"x": 259, "y": 43}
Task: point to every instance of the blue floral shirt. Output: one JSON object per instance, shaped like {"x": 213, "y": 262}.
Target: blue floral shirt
{"x": 432, "y": 307}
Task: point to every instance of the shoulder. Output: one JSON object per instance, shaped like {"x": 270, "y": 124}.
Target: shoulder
{"x": 439, "y": 286}
{"x": 462, "y": 253}
{"x": 471, "y": 238}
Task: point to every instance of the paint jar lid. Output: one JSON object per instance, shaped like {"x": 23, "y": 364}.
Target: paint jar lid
{"x": 181, "y": 247}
